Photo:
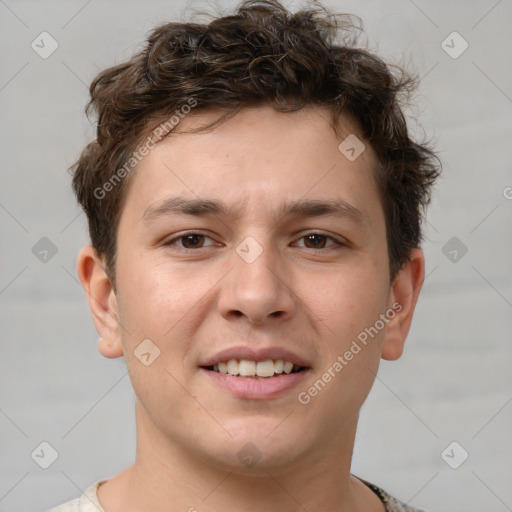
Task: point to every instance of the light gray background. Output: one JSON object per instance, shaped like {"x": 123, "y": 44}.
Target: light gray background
{"x": 453, "y": 382}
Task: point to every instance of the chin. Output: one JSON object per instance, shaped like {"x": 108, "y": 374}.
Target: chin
{"x": 258, "y": 446}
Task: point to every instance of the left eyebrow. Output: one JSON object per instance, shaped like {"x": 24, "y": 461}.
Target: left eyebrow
{"x": 300, "y": 208}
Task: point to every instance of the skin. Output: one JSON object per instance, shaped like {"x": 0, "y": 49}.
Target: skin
{"x": 193, "y": 302}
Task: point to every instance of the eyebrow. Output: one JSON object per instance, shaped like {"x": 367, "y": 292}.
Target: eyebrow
{"x": 300, "y": 208}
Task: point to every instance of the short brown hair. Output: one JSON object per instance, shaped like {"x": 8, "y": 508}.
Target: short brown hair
{"x": 262, "y": 54}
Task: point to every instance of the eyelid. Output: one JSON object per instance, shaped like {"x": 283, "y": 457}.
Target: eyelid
{"x": 338, "y": 241}
{"x": 301, "y": 235}
{"x": 185, "y": 234}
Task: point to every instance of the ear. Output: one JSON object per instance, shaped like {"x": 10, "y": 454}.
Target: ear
{"x": 402, "y": 299}
{"x": 102, "y": 301}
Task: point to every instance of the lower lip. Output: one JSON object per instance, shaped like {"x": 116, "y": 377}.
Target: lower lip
{"x": 256, "y": 389}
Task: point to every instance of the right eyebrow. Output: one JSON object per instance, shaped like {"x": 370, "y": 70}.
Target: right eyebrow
{"x": 300, "y": 208}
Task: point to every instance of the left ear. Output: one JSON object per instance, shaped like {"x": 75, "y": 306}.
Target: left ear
{"x": 402, "y": 299}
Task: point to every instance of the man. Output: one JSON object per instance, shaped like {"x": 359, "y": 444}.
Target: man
{"x": 254, "y": 204}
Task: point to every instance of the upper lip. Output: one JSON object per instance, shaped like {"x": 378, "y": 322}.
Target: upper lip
{"x": 253, "y": 354}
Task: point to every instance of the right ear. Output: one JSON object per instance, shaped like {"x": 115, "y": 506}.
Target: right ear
{"x": 102, "y": 301}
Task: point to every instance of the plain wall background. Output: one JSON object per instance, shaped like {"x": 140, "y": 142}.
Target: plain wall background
{"x": 453, "y": 382}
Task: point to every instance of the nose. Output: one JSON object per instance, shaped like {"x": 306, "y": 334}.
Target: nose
{"x": 258, "y": 290}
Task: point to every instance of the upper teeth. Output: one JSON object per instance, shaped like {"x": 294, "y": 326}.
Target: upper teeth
{"x": 246, "y": 368}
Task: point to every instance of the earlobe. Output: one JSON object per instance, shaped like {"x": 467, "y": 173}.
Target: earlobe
{"x": 102, "y": 301}
{"x": 403, "y": 298}
{"x": 109, "y": 348}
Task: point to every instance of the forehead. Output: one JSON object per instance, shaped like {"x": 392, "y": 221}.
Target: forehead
{"x": 255, "y": 160}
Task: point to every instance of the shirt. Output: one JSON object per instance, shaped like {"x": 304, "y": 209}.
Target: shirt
{"x": 88, "y": 502}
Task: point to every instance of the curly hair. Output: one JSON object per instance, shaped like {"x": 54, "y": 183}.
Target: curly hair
{"x": 261, "y": 55}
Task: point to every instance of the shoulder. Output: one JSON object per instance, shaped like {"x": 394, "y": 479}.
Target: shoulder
{"x": 392, "y": 504}
{"x": 87, "y": 502}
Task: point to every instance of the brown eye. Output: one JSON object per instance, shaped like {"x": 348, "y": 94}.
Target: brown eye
{"x": 192, "y": 241}
{"x": 189, "y": 241}
{"x": 318, "y": 241}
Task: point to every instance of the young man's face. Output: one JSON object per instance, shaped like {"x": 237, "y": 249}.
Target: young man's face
{"x": 254, "y": 282}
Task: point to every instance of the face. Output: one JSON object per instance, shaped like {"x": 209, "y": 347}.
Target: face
{"x": 230, "y": 249}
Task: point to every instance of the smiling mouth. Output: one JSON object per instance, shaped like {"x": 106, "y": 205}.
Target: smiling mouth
{"x": 255, "y": 369}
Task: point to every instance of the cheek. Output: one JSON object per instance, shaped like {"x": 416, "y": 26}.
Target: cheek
{"x": 166, "y": 305}
{"x": 155, "y": 296}
{"x": 350, "y": 350}
{"x": 353, "y": 355}
{"x": 349, "y": 301}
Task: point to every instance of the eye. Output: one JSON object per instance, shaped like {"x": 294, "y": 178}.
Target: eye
{"x": 193, "y": 240}
{"x": 318, "y": 241}
{"x": 189, "y": 241}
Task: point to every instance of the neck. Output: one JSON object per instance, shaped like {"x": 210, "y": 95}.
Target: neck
{"x": 166, "y": 478}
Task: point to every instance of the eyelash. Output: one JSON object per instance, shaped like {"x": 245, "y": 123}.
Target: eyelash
{"x": 185, "y": 235}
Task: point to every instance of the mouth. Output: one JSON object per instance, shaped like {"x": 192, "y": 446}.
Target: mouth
{"x": 244, "y": 368}
{"x": 251, "y": 374}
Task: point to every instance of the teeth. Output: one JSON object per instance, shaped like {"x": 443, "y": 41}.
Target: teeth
{"x": 246, "y": 368}
{"x": 265, "y": 368}
{"x": 232, "y": 367}
{"x": 288, "y": 367}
